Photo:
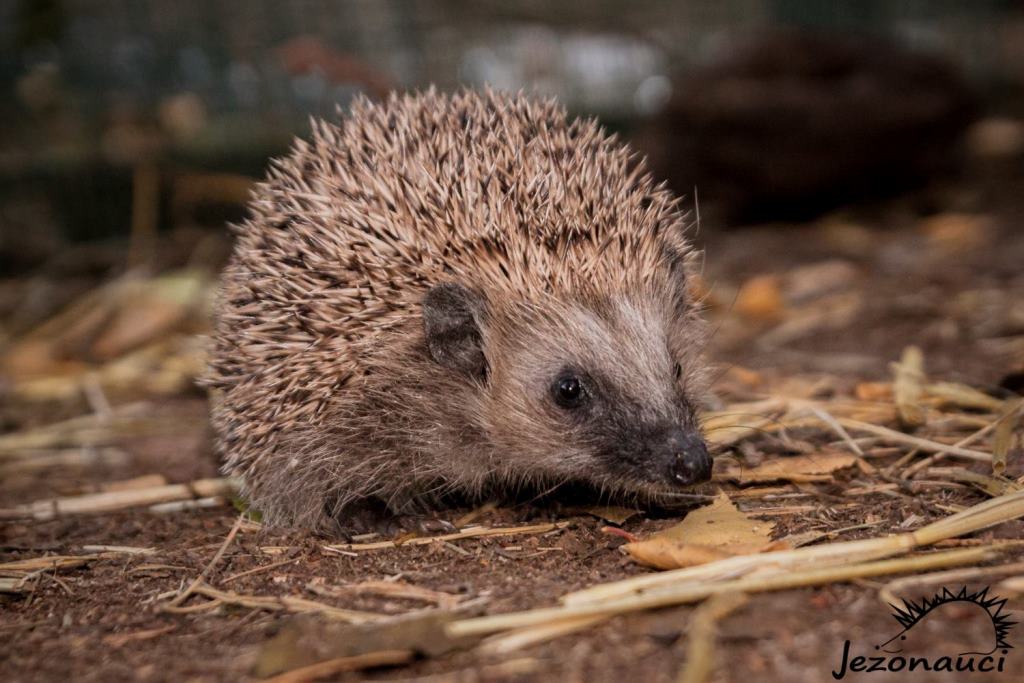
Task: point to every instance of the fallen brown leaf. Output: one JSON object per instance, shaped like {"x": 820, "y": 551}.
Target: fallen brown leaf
{"x": 746, "y": 376}
{"x": 873, "y": 391}
{"x": 760, "y": 298}
{"x": 710, "y": 533}
{"x": 615, "y": 515}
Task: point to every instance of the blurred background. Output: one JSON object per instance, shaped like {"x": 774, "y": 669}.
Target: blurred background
{"x": 856, "y": 164}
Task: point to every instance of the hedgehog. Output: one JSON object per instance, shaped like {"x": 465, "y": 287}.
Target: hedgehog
{"x": 464, "y": 297}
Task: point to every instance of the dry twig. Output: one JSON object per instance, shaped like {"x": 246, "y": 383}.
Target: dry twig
{"x": 475, "y": 532}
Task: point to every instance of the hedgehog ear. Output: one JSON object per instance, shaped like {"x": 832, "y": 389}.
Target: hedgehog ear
{"x": 452, "y": 316}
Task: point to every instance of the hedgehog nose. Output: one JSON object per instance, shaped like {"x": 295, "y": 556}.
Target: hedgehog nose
{"x": 687, "y": 458}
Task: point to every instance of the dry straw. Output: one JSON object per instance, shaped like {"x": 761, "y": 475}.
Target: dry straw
{"x": 810, "y": 566}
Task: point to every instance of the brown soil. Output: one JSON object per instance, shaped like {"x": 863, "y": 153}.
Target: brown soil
{"x": 957, "y": 296}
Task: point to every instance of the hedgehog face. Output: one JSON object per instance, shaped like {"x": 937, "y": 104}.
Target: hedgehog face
{"x": 577, "y": 391}
{"x": 612, "y": 395}
{"x": 635, "y": 437}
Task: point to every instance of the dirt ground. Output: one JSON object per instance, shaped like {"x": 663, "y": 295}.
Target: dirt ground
{"x": 948, "y": 279}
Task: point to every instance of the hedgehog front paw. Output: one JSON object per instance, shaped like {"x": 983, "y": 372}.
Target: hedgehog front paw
{"x": 372, "y": 516}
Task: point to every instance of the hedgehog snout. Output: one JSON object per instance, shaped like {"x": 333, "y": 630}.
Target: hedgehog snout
{"x": 684, "y": 456}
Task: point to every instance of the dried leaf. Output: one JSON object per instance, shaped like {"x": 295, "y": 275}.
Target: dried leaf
{"x": 760, "y": 298}
{"x": 746, "y": 376}
{"x": 797, "y": 468}
{"x": 710, "y": 533}
{"x": 610, "y": 513}
{"x": 873, "y": 391}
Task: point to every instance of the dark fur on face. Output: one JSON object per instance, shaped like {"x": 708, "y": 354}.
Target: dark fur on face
{"x": 602, "y": 391}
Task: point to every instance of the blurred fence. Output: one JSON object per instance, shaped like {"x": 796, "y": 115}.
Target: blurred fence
{"x": 95, "y": 89}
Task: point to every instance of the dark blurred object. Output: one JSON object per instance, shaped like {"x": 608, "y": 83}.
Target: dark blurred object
{"x": 791, "y": 123}
{"x": 39, "y": 22}
{"x": 29, "y": 235}
{"x": 1014, "y": 382}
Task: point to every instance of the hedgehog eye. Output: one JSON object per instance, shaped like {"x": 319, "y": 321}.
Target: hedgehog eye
{"x": 568, "y": 391}
{"x": 677, "y": 370}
